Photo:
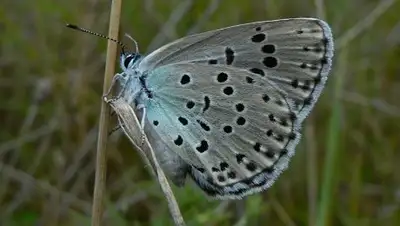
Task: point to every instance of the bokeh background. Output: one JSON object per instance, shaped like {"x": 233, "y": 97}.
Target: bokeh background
{"x": 347, "y": 167}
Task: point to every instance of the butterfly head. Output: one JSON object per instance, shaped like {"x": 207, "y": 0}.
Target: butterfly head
{"x": 129, "y": 60}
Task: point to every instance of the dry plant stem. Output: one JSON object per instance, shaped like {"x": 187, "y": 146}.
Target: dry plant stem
{"x": 320, "y": 6}
{"x": 101, "y": 159}
{"x": 43, "y": 187}
{"x": 312, "y": 191}
{"x": 205, "y": 16}
{"x": 131, "y": 127}
{"x": 281, "y": 212}
{"x": 364, "y": 24}
{"x": 168, "y": 30}
{"x": 371, "y": 102}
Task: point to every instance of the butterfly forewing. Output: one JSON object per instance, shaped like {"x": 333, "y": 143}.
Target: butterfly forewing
{"x": 296, "y": 53}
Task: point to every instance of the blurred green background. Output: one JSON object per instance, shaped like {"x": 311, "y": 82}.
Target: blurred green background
{"x": 347, "y": 167}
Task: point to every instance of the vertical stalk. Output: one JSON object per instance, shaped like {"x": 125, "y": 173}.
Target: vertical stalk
{"x": 101, "y": 159}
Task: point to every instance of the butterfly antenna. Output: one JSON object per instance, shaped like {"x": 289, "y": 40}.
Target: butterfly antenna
{"x": 136, "y": 44}
{"x": 75, "y": 27}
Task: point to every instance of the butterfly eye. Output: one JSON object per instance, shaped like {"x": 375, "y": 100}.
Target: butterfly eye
{"x": 128, "y": 59}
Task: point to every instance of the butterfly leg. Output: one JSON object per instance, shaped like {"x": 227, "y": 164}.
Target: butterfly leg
{"x": 143, "y": 120}
{"x": 117, "y": 77}
{"x": 118, "y": 127}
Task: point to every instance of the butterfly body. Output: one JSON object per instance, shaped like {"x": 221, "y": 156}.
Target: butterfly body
{"x": 226, "y": 106}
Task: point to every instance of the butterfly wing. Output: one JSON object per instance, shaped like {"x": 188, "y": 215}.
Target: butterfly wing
{"x": 293, "y": 53}
{"x": 234, "y": 128}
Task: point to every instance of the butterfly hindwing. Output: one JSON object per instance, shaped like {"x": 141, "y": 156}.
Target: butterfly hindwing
{"x": 229, "y": 124}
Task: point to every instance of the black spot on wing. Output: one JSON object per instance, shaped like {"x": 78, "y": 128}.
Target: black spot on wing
{"x": 190, "y": 104}
{"x": 240, "y": 121}
{"x": 270, "y": 62}
{"x": 239, "y": 107}
{"x": 185, "y": 79}
{"x": 222, "y": 77}
{"x": 202, "y": 147}
{"x": 183, "y": 121}
{"x": 269, "y": 49}
{"x": 178, "y": 141}
{"x": 239, "y": 158}
{"x": 228, "y": 129}
{"x": 228, "y": 90}
{"x": 249, "y": 79}
{"x": 206, "y": 103}
{"x": 257, "y": 71}
{"x": 223, "y": 166}
{"x": 258, "y": 38}
{"x": 203, "y": 125}
{"x": 230, "y": 55}
{"x": 213, "y": 61}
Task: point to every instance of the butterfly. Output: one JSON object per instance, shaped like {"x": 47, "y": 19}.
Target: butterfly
{"x": 225, "y": 107}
